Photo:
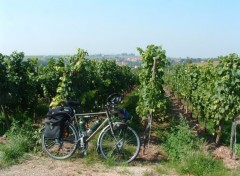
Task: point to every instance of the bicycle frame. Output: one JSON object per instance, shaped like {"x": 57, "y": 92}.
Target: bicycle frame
{"x": 107, "y": 120}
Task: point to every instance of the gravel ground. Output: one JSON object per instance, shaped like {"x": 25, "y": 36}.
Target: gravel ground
{"x": 44, "y": 166}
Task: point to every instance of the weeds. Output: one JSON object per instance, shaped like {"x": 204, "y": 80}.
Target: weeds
{"x": 162, "y": 170}
{"x": 201, "y": 163}
{"x": 92, "y": 158}
{"x": 180, "y": 141}
{"x": 188, "y": 155}
{"x": 238, "y": 150}
{"x": 148, "y": 173}
{"x": 14, "y": 150}
{"x": 20, "y": 140}
{"x": 125, "y": 172}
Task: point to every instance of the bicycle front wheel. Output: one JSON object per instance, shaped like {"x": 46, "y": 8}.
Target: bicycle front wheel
{"x": 121, "y": 147}
{"x": 64, "y": 147}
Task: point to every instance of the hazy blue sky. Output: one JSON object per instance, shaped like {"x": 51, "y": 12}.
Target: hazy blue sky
{"x": 194, "y": 28}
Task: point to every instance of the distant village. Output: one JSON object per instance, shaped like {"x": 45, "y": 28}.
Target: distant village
{"x": 122, "y": 59}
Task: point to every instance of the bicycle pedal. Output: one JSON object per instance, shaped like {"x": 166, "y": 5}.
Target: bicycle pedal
{"x": 84, "y": 152}
{"x": 57, "y": 142}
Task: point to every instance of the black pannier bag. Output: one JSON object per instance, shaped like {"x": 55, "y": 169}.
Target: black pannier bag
{"x": 54, "y": 123}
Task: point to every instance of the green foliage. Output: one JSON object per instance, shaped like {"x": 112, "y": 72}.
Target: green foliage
{"x": 37, "y": 139}
{"x": 130, "y": 103}
{"x": 212, "y": 90}
{"x": 25, "y": 83}
{"x": 91, "y": 82}
{"x": 21, "y": 127}
{"x": 151, "y": 93}
{"x": 19, "y": 84}
{"x": 41, "y": 109}
{"x": 49, "y": 77}
{"x": 180, "y": 140}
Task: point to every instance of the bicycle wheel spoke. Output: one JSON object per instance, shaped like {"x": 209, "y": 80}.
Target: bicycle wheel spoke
{"x": 123, "y": 147}
{"x": 61, "y": 148}
{"x": 50, "y": 144}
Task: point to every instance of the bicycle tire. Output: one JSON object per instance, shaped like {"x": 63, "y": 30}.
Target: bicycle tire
{"x": 61, "y": 148}
{"x": 123, "y": 147}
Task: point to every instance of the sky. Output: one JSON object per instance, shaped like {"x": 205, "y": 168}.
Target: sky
{"x": 184, "y": 28}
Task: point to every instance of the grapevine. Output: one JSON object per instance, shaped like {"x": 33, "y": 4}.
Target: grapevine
{"x": 213, "y": 91}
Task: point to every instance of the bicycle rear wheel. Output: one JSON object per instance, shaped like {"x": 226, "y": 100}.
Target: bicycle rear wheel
{"x": 61, "y": 148}
{"x": 122, "y": 147}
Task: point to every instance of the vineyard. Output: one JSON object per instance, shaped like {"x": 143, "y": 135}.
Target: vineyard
{"x": 27, "y": 86}
{"x": 209, "y": 94}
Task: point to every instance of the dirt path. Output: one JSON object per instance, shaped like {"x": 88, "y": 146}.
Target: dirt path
{"x": 45, "y": 166}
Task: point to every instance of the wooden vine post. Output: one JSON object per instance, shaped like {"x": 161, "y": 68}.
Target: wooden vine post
{"x": 233, "y": 139}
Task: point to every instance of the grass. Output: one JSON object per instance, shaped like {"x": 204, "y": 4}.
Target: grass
{"x": 92, "y": 158}
{"x": 163, "y": 169}
{"x": 238, "y": 149}
{"x": 92, "y": 154}
{"x": 148, "y": 173}
{"x": 125, "y": 172}
{"x": 188, "y": 155}
{"x": 14, "y": 150}
{"x": 20, "y": 141}
{"x": 201, "y": 163}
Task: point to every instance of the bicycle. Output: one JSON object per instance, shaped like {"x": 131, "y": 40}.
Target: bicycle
{"x": 117, "y": 141}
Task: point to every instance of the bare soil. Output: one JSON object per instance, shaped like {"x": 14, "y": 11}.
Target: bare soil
{"x": 45, "y": 166}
